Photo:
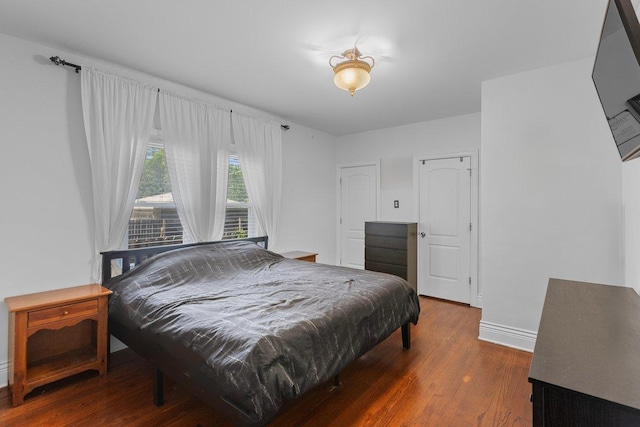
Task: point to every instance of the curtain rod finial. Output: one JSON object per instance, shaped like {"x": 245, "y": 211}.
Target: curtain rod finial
{"x": 59, "y": 61}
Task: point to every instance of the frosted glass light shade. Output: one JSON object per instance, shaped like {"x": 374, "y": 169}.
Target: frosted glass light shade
{"x": 352, "y": 75}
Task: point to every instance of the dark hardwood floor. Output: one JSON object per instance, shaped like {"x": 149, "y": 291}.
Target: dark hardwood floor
{"x": 447, "y": 378}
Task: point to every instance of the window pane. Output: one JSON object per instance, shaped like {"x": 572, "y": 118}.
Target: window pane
{"x": 155, "y": 177}
{"x": 236, "y": 191}
{"x": 236, "y": 222}
{"x": 154, "y": 220}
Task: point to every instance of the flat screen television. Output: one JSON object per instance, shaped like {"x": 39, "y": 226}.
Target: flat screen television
{"x": 616, "y": 75}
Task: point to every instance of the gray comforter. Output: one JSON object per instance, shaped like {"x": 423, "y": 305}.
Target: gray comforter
{"x": 268, "y": 328}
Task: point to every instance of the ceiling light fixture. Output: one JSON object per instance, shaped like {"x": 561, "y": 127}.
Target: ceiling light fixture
{"x": 352, "y": 74}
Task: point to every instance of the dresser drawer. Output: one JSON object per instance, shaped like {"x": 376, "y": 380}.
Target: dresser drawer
{"x": 398, "y": 270}
{"x": 385, "y": 242}
{"x": 54, "y": 314}
{"x": 385, "y": 229}
{"x": 385, "y": 255}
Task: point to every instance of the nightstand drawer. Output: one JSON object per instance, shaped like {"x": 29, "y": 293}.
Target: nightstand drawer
{"x": 54, "y": 314}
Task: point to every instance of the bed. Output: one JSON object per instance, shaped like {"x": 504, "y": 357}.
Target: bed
{"x": 245, "y": 329}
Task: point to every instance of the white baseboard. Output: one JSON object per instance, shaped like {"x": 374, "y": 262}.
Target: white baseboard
{"x": 478, "y": 302}
{"x": 4, "y": 374}
{"x": 520, "y": 339}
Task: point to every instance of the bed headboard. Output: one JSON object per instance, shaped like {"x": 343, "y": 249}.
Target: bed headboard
{"x": 132, "y": 257}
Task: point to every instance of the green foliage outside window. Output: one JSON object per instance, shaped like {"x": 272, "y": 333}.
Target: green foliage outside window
{"x": 240, "y": 233}
{"x": 155, "y": 176}
{"x": 236, "y": 190}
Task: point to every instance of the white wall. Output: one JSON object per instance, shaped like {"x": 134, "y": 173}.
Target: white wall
{"x": 631, "y": 176}
{"x": 307, "y": 218}
{"x": 396, "y": 148}
{"x": 46, "y": 218}
{"x": 631, "y": 194}
{"x": 44, "y": 173}
{"x": 550, "y": 195}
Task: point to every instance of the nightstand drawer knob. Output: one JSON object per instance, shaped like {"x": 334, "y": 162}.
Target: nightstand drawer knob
{"x": 65, "y": 312}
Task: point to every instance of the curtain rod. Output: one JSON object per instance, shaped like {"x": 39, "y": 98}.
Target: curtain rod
{"x": 59, "y": 61}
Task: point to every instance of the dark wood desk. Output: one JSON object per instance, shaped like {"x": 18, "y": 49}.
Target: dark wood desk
{"x": 585, "y": 369}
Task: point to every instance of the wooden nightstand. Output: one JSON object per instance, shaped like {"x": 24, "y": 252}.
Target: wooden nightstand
{"x": 303, "y": 256}
{"x": 56, "y": 334}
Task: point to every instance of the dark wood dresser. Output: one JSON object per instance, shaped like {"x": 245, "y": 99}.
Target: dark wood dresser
{"x": 585, "y": 369}
{"x": 392, "y": 247}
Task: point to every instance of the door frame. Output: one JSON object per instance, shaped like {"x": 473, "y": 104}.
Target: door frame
{"x": 475, "y": 297}
{"x": 339, "y": 168}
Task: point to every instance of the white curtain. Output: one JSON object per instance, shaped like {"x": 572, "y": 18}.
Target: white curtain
{"x": 118, "y": 115}
{"x": 196, "y": 139}
{"x": 259, "y": 146}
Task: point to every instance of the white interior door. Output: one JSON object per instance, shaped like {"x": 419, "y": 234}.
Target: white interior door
{"x": 358, "y": 203}
{"x": 445, "y": 229}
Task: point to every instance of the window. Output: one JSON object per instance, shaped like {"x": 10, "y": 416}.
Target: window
{"x": 154, "y": 220}
{"x": 239, "y": 221}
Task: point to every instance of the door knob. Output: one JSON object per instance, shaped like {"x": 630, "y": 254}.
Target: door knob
{"x": 422, "y": 234}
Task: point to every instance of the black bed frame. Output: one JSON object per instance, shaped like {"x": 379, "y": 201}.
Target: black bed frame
{"x": 136, "y": 256}
{"x": 178, "y": 369}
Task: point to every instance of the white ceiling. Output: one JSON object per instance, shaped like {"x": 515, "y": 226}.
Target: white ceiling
{"x": 431, "y": 55}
